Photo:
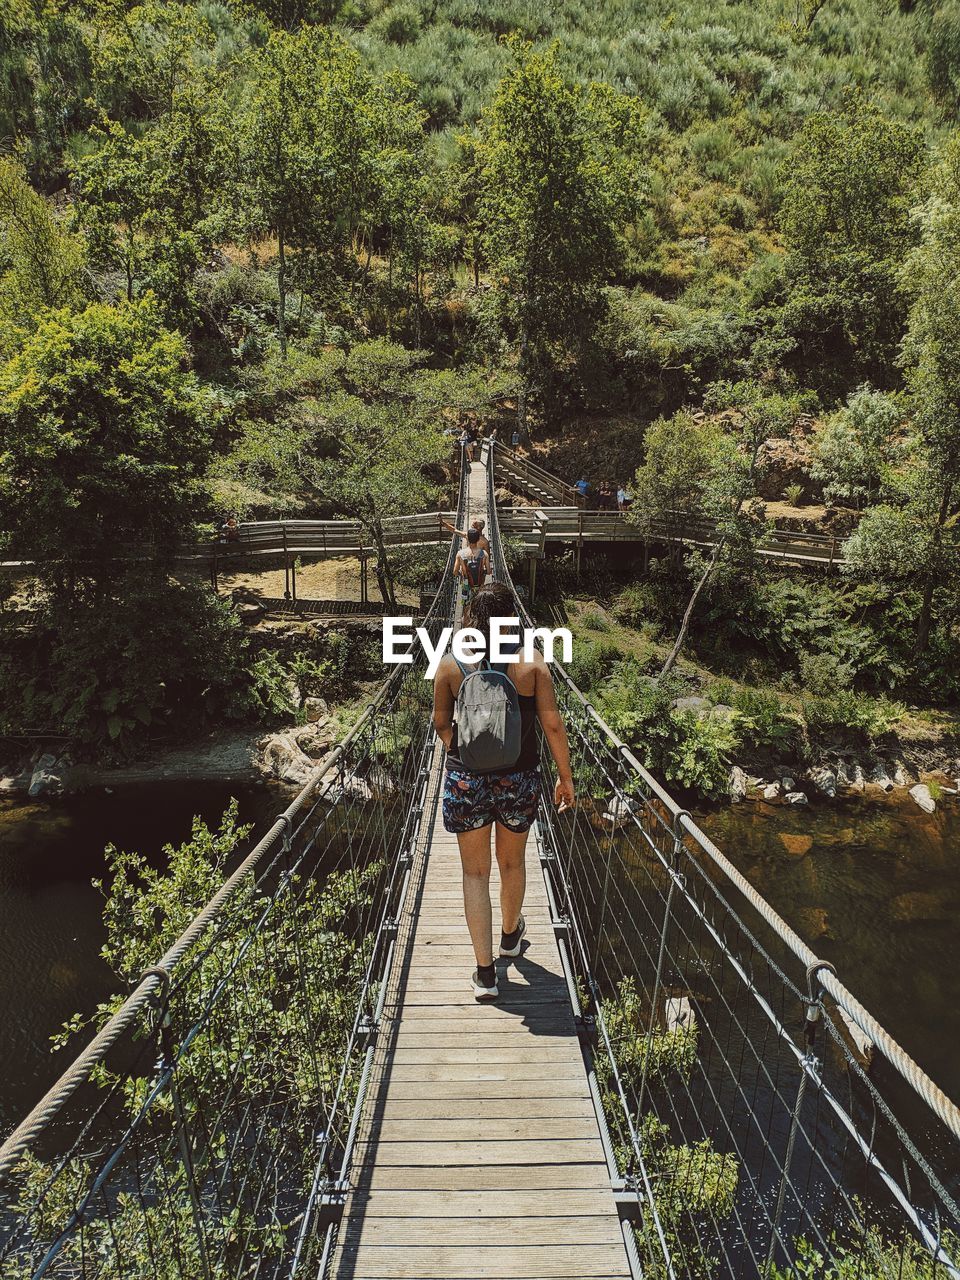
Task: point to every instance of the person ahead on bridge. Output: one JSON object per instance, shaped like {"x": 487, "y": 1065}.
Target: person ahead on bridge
{"x": 472, "y": 563}
{"x": 479, "y": 525}
{"x": 475, "y": 801}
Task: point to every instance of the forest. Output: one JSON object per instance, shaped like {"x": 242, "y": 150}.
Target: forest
{"x": 261, "y": 258}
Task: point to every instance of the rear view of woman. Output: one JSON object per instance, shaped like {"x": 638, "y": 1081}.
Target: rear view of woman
{"x": 504, "y": 799}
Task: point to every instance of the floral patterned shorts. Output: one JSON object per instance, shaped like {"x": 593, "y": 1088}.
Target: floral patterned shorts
{"x": 475, "y": 800}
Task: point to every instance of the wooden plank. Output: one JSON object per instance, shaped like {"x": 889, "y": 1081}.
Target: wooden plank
{"x": 464, "y": 1204}
{"x": 436, "y": 1019}
{"x": 558, "y": 1053}
{"x": 416, "y": 1231}
{"x": 407, "y": 1082}
{"x": 566, "y": 1151}
{"x": 465, "y": 1263}
{"x": 488, "y": 1178}
{"x": 446, "y": 1108}
{"x": 481, "y": 1129}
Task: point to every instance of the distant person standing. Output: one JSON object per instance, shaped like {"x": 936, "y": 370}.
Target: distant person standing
{"x": 583, "y": 488}
{"x": 515, "y": 438}
{"x": 472, "y": 563}
{"x": 624, "y": 500}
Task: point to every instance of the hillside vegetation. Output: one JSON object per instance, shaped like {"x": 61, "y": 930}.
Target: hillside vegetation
{"x": 259, "y": 257}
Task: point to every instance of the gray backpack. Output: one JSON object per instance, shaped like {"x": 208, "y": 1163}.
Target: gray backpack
{"x": 488, "y": 718}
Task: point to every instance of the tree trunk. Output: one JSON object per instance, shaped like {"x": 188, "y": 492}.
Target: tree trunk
{"x": 523, "y": 395}
{"x": 929, "y": 586}
{"x": 688, "y": 612}
{"x": 384, "y": 572}
{"x": 282, "y": 291}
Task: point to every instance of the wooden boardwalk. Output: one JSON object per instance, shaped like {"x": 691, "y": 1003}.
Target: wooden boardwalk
{"x": 480, "y": 1152}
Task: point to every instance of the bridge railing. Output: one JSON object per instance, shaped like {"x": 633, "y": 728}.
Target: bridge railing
{"x": 729, "y": 1060}
{"x": 207, "y": 1129}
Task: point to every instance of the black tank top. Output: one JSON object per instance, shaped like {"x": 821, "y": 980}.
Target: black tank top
{"x": 529, "y": 757}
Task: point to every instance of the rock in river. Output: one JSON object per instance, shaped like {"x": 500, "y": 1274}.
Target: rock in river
{"x": 921, "y": 796}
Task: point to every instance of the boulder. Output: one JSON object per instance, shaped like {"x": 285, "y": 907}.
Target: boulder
{"x": 738, "y": 784}
{"x": 282, "y": 758}
{"x": 250, "y": 613}
{"x": 796, "y": 797}
{"x": 678, "y": 1014}
{"x": 920, "y": 794}
{"x": 825, "y": 780}
{"x": 315, "y": 709}
{"x": 47, "y": 777}
{"x": 617, "y": 812}
{"x": 796, "y": 845}
{"x": 314, "y": 739}
{"x": 788, "y": 784}
{"x": 900, "y": 776}
{"x": 771, "y": 791}
{"x": 878, "y": 777}
{"x": 858, "y": 778}
{"x": 812, "y": 923}
{"x": 720, "y": 711}
{"x": 699, "y": 706}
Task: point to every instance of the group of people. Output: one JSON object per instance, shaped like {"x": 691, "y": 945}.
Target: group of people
{"x": 608, "y": 497}
{"x": 471, "y": 434}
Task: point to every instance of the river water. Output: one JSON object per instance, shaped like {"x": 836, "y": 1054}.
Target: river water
{"x": 871, "y": 883}
{"x": 50, "y": 914}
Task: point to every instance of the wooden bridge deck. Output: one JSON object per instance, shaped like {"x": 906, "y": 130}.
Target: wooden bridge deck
{"x": 480, "y": 1153}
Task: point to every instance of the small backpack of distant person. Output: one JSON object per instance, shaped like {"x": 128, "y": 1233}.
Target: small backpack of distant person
{"x": 488, "y": 718}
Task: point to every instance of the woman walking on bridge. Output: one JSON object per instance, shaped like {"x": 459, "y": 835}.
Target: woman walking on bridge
{"x": 506, "y": 795}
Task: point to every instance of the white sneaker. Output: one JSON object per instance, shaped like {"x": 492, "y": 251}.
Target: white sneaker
{"x": 510, "y": 942}
{"x": 480, "y": 990}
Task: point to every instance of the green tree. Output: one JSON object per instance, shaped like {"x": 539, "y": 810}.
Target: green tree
{"x": 109, "y": 434}
{"x": 40, "y": 262}
{"x": 327, "y": 154}
{"x": 855, "y": 445}
{"x": 929, "y": 493}
{"x": 848, "y": 186}
{"x": 557, "y": 171}
{"x": 150, "y": 201}
{"x": 694, "y": 469}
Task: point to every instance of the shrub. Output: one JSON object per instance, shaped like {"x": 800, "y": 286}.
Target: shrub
{"x": 763, "y": 720}
{"x": 824, "y": 673}
{"x": 848, "y": 712}
{"x": 793, "y": 493}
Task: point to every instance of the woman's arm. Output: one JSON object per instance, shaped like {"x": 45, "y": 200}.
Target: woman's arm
{"x": 443, "y": 702}
{"x": 554, "y": 730}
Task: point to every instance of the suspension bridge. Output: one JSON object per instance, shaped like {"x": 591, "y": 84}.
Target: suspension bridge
{"x": 301, "y": 1086}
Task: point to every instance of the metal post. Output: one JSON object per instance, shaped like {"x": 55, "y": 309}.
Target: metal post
{"x": 579, "y": 539}
{"x": 286, "y": 566}
{"x": 533, "y": 578}
{"x": 293, "y": 578}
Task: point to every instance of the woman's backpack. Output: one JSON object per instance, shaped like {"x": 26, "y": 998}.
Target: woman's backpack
{"x": 488, "y": 718}
{"x": 474, "y": 567}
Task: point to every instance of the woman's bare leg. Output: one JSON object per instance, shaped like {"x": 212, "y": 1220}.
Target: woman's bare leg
{"x": 475, "y": 860}
{"x": 511, "y": 850}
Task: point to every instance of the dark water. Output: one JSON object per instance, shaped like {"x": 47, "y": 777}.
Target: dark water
{"x": 873, "y": 885}
{"x": 50, "y": 914}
